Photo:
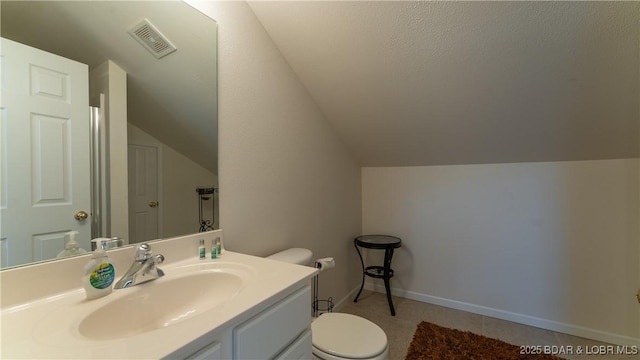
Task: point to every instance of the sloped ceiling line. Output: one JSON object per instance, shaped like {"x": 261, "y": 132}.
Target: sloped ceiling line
{"x": 410, "y": 83}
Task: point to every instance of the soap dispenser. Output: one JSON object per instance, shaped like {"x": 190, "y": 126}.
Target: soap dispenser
{"x": 99, "y": 274}
{"x": 71, "y": 247}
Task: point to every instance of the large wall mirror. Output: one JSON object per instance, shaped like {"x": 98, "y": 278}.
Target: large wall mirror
{"x": 145, "y": 167}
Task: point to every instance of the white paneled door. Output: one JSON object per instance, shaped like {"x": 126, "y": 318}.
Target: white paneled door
{"x": 143, "y": 193}
{"x": 45, "y": 153}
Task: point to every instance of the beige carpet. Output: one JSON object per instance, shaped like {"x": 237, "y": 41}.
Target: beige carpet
{"x": 435, "y": 342}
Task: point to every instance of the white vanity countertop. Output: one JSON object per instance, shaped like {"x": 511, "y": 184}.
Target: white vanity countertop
{"x": 48, "y": 327}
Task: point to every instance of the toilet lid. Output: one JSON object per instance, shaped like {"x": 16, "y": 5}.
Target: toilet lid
{"x": 347, "y": 336}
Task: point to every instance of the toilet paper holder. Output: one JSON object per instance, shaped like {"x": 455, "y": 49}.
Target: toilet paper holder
{"x": 321, "y": 306}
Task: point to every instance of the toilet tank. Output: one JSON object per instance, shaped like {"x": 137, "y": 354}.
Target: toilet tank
{"x": 298, "y": 256}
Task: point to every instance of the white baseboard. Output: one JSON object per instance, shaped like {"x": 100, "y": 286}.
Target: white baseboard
{"x": 502, "y": 314}
{"x": 347, "y": 298}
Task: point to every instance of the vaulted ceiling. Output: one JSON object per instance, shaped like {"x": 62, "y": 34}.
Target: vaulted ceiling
{"x": 426, "y": 83}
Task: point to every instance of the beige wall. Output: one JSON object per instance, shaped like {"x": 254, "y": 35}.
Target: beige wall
{"x": 285, "y": 178}
{"x": 554, "y": 245}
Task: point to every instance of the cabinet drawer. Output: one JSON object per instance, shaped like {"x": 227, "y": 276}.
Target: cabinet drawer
{"x": 212, "y": 351}
{"x": 269, "y": 332}
{"x": 299, "y": 350}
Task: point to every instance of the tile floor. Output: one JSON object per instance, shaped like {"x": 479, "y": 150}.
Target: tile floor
{"x": 410, "y": 313}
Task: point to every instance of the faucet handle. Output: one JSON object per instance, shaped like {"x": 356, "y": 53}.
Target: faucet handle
{"x": 157, "y": 259}
{"x": 143, "y": 252}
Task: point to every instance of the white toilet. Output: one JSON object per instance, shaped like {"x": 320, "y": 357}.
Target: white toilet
{"x": 337, "y": 336}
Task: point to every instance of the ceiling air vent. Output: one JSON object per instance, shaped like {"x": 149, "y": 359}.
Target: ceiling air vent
{"x": 152, "y": 39}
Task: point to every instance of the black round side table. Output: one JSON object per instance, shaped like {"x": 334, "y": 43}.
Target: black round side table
{"x": 381, "y": 242}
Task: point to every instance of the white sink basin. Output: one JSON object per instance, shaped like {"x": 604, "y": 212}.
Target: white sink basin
{"x": 181, "y": 294}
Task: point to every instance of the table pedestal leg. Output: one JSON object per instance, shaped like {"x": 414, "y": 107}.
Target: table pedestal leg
{"x": 363, "y": 272}
{"x": 388, "y": 254}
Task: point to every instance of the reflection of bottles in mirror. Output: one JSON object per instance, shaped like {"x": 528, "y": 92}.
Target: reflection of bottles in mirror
{"x": 108, "y": 243}
{"x": 215, "y": 248}
{"x": 71, "y": 247}
{"x": 201, "y": 250}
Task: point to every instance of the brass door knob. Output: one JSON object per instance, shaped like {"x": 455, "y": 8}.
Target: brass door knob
{"x": 153, "y": 204}
{"x": 81, "y": 215}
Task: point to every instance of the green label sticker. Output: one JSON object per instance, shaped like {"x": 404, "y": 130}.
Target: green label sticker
{"x": 102, "y": 276}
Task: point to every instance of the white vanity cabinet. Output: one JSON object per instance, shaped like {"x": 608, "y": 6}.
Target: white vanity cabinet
{"x": 212, "y": 351}
{"x": 274, "y": 329}
{"x": 281, "y": 330}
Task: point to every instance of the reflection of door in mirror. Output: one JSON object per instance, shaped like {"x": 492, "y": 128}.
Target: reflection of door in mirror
{"x": 45, "y": 148}
{"x": 143, "y": 193}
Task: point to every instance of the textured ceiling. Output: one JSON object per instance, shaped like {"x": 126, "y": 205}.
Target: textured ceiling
{"x": 174, "y": 98}
{"x": 425, "y": 83}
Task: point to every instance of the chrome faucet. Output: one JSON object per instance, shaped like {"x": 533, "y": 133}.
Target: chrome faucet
{"x": 143, "y": 268}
